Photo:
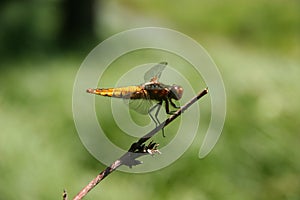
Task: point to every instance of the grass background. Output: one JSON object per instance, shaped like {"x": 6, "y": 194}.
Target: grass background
{"x": 256, "y": 47}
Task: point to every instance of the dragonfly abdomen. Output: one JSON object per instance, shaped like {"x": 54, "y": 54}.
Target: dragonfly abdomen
{"x": 122, "y": 92}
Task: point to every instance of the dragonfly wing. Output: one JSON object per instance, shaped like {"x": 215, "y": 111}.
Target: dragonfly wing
{"x": 142, "y": 104}
{"x": 154, "y": 73}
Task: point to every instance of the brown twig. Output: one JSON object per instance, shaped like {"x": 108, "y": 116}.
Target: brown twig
{"x": 137, "y": 149}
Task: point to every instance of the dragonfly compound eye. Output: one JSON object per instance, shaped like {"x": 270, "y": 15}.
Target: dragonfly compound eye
{"x": 176, "y": 92}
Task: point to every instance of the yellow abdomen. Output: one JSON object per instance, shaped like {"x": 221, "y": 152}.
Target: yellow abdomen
{"x": 122, "y": 92}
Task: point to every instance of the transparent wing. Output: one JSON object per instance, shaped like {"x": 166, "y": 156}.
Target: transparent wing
{"x": 154, "y": 73}
{"x": 140, "y": 105}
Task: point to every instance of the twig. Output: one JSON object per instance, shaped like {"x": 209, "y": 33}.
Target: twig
{"x": 137, "y": 149}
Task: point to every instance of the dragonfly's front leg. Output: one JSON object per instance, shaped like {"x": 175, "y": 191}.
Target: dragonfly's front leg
{"x": 167, "y": 107}
{"x": 174, "y": 105}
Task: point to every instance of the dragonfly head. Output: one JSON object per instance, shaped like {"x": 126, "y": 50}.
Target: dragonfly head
{"x": 176, "y": 92}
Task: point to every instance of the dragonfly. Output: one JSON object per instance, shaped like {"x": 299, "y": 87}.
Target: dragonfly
{"x": 141, "y": 97}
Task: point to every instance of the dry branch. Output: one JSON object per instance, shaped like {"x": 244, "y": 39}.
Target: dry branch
{"x": 137, "y": 149}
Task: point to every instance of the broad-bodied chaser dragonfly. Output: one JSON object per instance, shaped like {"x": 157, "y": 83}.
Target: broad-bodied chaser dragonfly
{"x": 141, "y": 96}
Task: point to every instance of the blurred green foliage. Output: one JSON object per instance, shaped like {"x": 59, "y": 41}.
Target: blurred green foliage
{"x": 262, "y": 24}
{"x": 256, "y": 47}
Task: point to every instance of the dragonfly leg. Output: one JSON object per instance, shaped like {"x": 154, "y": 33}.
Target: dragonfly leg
{"x": 156, "y": 113}
{"x": 174, "y": 105}
{"x": 155, "y": 118}
{"x": 168, "y": 108}
{"x": 156, "y": 121}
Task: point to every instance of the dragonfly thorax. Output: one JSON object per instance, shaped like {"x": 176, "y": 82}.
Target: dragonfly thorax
{"x": 176, "y": 92}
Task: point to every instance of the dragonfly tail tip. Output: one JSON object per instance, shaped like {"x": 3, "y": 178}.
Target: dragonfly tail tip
{"x": 90, "y": 90}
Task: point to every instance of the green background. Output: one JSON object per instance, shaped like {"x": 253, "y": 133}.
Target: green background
{"x": 256, "y": 47}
